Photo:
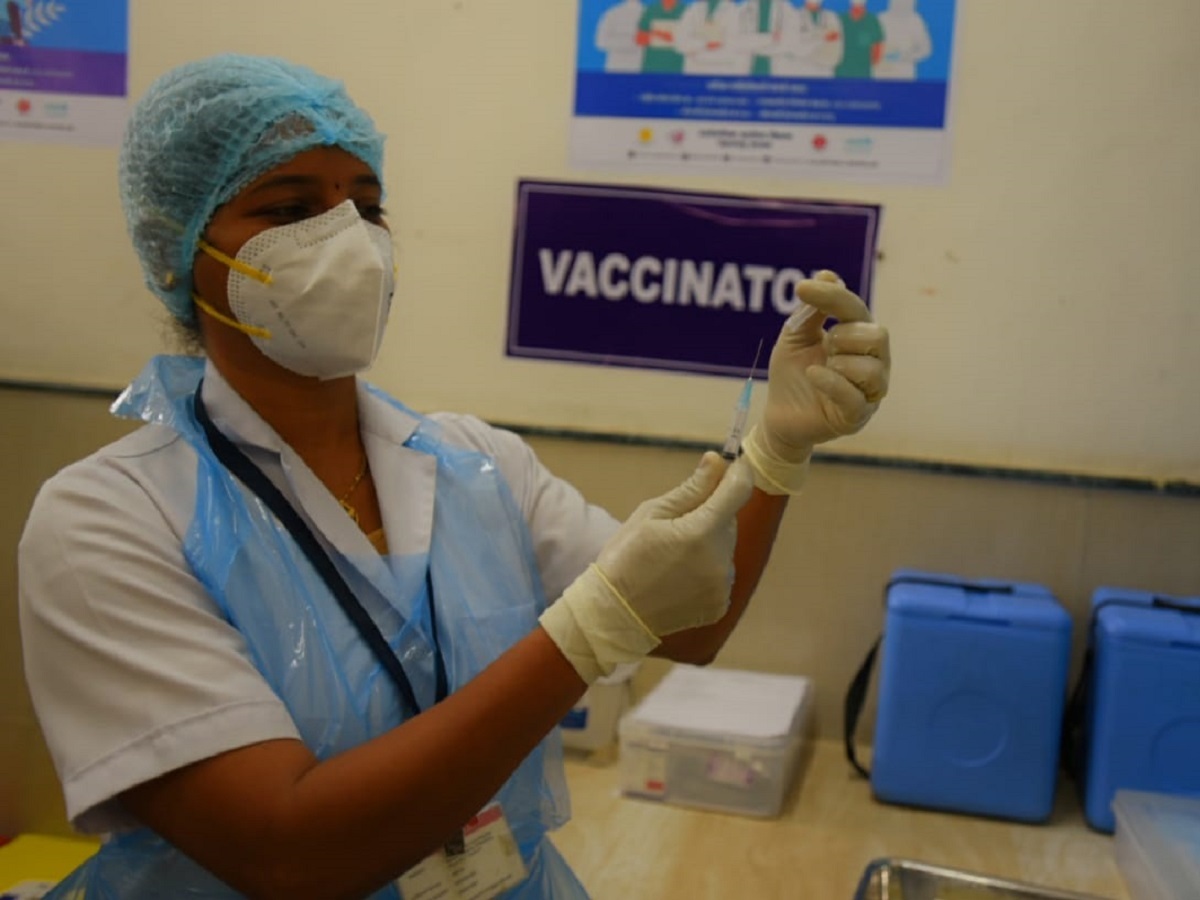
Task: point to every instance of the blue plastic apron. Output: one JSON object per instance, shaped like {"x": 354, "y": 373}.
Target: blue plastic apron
{"x": 488, "y": 596}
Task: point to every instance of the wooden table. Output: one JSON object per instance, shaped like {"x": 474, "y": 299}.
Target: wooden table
{"x": 828, "y": 832}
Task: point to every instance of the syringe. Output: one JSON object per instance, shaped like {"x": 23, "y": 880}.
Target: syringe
{"x": 741, "y": 410}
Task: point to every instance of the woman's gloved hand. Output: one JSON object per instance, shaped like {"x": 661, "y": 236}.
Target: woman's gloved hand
{"x": 820, "y": 385}
{"x": 668, "y": 567}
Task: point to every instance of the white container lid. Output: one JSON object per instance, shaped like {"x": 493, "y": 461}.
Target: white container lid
{"x": 724, "y": 702}
{"x": 1164, "y": 832}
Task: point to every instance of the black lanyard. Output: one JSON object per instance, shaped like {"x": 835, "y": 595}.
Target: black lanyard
{"x": 253, "y": 478}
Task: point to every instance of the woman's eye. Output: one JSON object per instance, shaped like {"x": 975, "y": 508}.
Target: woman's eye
{"x": 372, "y": 212}
{"x": 288, "y": 212}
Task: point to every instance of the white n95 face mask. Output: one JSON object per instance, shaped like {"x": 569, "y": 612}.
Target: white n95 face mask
{"x": 314, "y": 295}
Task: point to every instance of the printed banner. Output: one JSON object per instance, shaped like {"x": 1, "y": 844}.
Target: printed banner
{"x": 845, "y": 89}
{"x": 64, "y": 70}
{"x": 671, "y": 279}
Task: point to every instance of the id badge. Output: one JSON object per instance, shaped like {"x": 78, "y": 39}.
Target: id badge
{"x": 489, "y": 865}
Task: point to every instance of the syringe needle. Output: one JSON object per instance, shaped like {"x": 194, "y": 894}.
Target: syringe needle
{"x": 757, "y": 353}
{"x": 741, "y": 409}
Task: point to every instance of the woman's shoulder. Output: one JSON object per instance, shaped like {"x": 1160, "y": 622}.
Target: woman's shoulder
{"x": 144, "y": 444}
{"x": 137, "y": 472}
{"x": 514, "y": 458}
{"x": 473, "y": 433}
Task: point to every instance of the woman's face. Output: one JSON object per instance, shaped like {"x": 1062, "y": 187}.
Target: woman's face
{"x": 308, "y": 185}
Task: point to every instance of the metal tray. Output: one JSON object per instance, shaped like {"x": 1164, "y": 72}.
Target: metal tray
{"x": 900, "y": 879}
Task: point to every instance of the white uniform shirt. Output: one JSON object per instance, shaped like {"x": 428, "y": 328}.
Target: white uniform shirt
{"x": 132, "y": 669}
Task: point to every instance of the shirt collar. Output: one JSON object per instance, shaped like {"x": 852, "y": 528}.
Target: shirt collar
{"x": 382, "y": 419}
{"x": 233, "y": 415}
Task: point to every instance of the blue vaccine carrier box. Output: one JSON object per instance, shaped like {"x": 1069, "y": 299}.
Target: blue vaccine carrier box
{"x": 1142, "y": 725}
{"x": 971, "y": 694}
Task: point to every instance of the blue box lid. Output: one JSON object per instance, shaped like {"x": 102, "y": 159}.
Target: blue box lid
{"x": 1147, "y": 618}
{"x": 934, "y": 595}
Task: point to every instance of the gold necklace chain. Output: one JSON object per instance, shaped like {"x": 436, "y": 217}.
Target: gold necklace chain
{"x": 345, "y": 499}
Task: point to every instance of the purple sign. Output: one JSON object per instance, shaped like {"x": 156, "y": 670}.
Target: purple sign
{"x": 667, "y": 279}
{"x": 78, "y": 72}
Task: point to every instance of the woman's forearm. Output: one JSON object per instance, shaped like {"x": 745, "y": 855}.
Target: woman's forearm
{"x": 758, "y": 525}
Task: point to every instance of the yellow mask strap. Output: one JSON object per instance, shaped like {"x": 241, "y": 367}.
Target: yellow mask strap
{"x": 240, "y": 267}
{"x": 251, "y": 330}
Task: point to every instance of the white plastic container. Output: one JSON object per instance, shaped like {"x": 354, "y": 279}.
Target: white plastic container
{"x": 592, "y": 723}
{"x": 716, "y": 739}
{"x": 1157, "y": 845}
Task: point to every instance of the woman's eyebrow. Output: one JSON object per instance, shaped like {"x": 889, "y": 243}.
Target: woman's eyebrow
{"x": 286, "y": 181}
{"x": 367, "y": 180}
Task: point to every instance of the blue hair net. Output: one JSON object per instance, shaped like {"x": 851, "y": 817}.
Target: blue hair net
{"x": 205, "y": 130}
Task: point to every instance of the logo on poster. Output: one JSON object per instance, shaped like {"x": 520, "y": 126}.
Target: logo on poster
{"x": 646, "y": 135}
{"x": 57, "y": 109}
{"x": 861, "y": 145}
{"x": 820, "y": 142}
{"x": 678, "y": 137}
{"x": 24, "y": 106}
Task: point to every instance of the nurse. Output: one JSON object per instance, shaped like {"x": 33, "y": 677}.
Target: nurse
{"x": 710, "y": 39}
{"x": 813, "y": 43}
{"x": 292, "y": 639}
{"x": 616, "y": 36}
{"x": 765, "y": 23}
{"x": 863, "y": 42}
{"x": 906, "y": 41}
{"x": 658, "y": 30}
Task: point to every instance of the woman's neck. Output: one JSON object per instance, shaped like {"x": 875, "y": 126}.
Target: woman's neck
{"x": 318, "y": 419}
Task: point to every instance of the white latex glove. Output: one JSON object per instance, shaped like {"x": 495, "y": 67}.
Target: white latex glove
{"x": 668, "y": 567}
{"x": 820, "y": 385}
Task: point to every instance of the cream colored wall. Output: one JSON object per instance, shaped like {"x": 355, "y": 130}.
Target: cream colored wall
{"x": 1041, "y": 302}
{"x": 818, "y": 608}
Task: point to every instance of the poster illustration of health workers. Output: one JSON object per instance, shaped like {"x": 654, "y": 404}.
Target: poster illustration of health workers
{"x": 64, "y": 71}
{"x": 824, "y": 89}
